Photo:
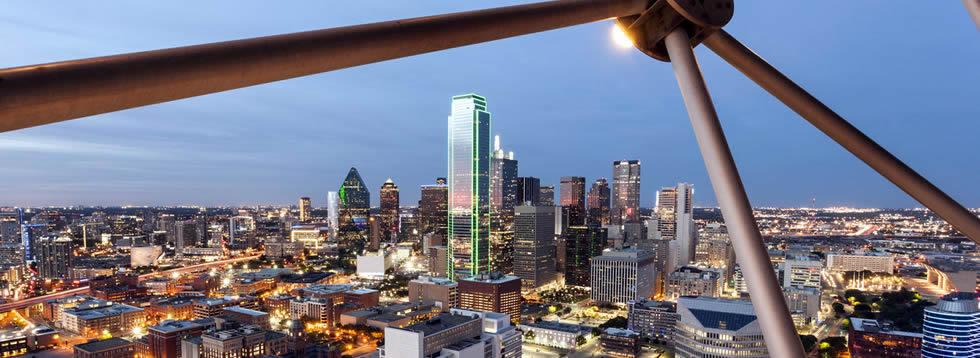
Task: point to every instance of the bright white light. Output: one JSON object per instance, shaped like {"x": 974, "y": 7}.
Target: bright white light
{"x": 620, "y": 38}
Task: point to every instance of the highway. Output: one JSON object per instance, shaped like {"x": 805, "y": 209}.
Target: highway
{"x": 24, "y": 303}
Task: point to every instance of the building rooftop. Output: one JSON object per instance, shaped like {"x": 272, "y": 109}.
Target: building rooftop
{"x": 173, "y": 326}
{"x": 306, "y": 277}
{"x": 648, "y": 304}
{"x": 102, "y": 345}
{"x": 245, "y": 311}
{"x": 328, "y": 289}
{"x": 491, "y": 277}
{"x": 222, "y": 300}
{"x": 620, "y": 332}
{"x": 362, "y": 291}
{"x": 101, "y": 312}
{"x": 435, "y": 280}
{"x": 439, "y": 323}
{"x": 387, "y": 318}
{"x": 558, "y": 326}
{"x": 873, "y": 326}
{"x": 719, "y": 313}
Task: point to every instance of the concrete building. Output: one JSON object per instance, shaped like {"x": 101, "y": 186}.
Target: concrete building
{"x": 54, "y": 257}
{"x": 805, "y": 303}
{"x": 437, "y": 259}
{"x": 554, "y": 334}
{"x": 429, "y": 338}
{"x": 652, "y": 319}
{"x": 534, "y": 249}
{"x": 373, "y": 264}
{"x": 247, "y": 316}
{"x": 164, "y": 338}
{"x": 617, "y": 342}
{"x": 211, "y": 307}
{"x": 951, "y": 328}
{"x": 111, "y": 319}
{"x": 718, "y": 327}
{"x": 953, "y": 274}
{"x": 861, "y": 261}
{"x": 491, "y": 292}
{"x": 439, "y": 292}
{"x": 693, "y": 281}
{"x": 106, "y": 348}
{"x": 619, "y": 276}
{"x": 867, "y": 338}
{"x": 239, "y": 342}
{"x": 801, "y": 272}
{"x": 505, "y": 339}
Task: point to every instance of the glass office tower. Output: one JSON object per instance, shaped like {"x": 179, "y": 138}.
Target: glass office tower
{"x": 469, "y": 187}
{"x": 951, "y": 328}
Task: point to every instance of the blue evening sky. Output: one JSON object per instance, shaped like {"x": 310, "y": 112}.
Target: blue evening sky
{"x": 567, "y": 102}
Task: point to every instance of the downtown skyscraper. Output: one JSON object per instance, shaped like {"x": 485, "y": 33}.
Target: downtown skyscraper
{"x": 469, "y": 187}
{"x": 675, "y": 219}
{"x": 433, "y": 209}
{"x": 503, "y": 196}
{"x": 305, "y": 210}
{"x": 597, "y": 203}
{"x": 389, "y": 211}
{"x": 355, "y": 206}
{"x": 573, "y": 199}
{"x": 626, "y": 191}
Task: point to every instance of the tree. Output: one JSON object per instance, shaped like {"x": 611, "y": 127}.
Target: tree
{"x": 529, "y": 335}
{"x": 596, "y": 332}
{"x": 838, "y": 308}
{"x": 580, "y": 340}
{"x": 809, "y": 341}
{"x": 858, "y": 295}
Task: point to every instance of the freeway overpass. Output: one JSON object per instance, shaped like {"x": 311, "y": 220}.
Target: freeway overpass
{"x": 27, "y": 302}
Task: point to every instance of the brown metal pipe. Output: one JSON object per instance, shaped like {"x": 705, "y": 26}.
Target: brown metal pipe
{"x": 767, "y": 295}
{"x": 42, "y": 94}
{"x": 973, "y": 8}
{"x": 841, "y": 131}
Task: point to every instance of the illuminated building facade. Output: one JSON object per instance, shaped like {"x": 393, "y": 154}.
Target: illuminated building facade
{"x": 597, "y": 203}
{"x": 389, "y": 211}
{"x": 528, "y": 191}
{"x": 718, "y": 327}
{"x": 573, "y": 199}
{"x": 355, "y": 206}
{"x": 625, "y": 275}
{"x": 675, "y": 219}
{"x": 951, "y": 328}
{"x": 433, "y": 209}
{"x": 867, "y": 338}
{"x": 546, "y": 195}
{"x": 503, "y": 188}
{"x": 54, "y": 257}
{"x": 305, "y": 210}
{"x": 582, "y": 243}
{"x": 626, "y": 191}
{"x": 491, "y": 292}
{"x": 469, "y": 187}
{"x": 534, "y": 249}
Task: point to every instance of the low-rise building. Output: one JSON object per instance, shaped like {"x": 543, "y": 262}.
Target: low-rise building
{"x": 163, "y": 340}
{"x": 491, "y": 292}
{"x": 867, "y": 338}
{"x": 112, "y": 319}
{"x": 693, "y": 281}
{"x": 211, "y": 307}
{"x": 278, "y": 304}
{"x": 718, "y": 327}
{"x": 653, "y": 319}
{"x": 617, "y": 342}
{"x": 553, "y": 334}
{"x": 460, "y": 333}
{"x": 247, "y": 316}
{"x": 106, "y": 348}
{"x": 861, "y": 261}
{"x": 439, "y": 292}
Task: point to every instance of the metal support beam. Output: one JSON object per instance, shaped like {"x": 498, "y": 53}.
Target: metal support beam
{"x": 973, "y": 7}
{"x": 49, "y": 93}
{"x": 845, "y": 134}
{"x": 767, "y": 295}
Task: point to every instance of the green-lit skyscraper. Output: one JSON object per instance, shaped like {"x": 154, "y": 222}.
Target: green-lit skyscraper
{"x": 469, "y": 187}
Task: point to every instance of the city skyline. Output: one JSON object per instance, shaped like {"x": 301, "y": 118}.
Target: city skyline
{"x": 303, "y": 131}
